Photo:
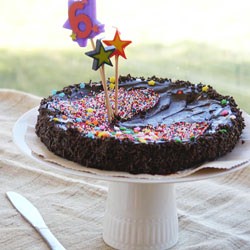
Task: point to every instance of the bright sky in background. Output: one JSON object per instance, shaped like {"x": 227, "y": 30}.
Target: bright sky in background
{"x": 32, "y": 23}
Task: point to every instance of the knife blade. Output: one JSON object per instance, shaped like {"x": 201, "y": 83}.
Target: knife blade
{"x": 33, "y": 216}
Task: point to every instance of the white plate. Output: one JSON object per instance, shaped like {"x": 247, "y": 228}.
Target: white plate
{"x": 28, "y": 120}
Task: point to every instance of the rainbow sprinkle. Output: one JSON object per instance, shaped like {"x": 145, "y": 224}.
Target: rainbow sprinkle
{"x": 88, "y": 115}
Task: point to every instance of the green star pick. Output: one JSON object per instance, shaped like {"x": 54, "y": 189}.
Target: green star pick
{"x": 101, "y": 55}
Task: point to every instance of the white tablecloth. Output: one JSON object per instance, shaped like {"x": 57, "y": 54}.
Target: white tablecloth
{"x": 213, "y": 214}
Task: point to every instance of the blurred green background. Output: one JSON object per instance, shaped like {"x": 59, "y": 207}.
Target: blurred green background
{"x": 200, "y": 41}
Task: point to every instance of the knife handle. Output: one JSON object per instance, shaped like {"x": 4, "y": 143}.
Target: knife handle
{"x": 52, "y": 241}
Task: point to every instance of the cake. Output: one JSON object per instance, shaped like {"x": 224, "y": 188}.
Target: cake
{"x": 162, "y": 126}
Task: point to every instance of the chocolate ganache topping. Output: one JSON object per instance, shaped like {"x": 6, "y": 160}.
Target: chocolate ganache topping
{"x": 182, "y": 102}
{"x": 189, "y": 123}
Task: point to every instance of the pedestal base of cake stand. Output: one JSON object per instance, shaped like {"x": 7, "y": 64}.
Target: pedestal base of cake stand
{"x": 141, "y": 216}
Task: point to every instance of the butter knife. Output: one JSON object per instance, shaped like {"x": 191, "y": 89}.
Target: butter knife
{"x": 32, "y": 215}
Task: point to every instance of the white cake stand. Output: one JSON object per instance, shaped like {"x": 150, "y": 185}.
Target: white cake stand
{"x": 141, "y": 210}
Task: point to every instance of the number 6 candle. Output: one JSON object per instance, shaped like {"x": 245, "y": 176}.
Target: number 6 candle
{"x": 82, "y": 21}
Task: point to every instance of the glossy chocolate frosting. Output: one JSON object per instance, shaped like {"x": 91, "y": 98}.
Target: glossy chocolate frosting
{"x": 181, "y": 101}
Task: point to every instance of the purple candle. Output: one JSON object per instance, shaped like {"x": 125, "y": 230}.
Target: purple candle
{"x": 82, "y": 21}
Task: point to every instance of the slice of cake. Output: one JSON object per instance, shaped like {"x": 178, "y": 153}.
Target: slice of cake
{"x": 161, "y": 127}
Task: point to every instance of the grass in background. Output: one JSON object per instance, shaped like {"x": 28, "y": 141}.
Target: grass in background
{"x": 34, "y": 54}
{"x": 39, "y": 71}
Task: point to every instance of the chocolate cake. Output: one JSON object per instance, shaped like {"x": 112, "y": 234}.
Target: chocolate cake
{"x": 162, "y": 126}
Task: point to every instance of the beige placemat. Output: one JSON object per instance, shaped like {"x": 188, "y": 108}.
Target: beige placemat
{"x": 213, "y": 214}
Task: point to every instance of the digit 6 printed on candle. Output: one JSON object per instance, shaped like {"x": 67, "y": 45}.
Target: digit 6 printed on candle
{"x": 75, "y": 20}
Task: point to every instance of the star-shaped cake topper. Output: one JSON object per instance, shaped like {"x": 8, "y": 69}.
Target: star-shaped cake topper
{"x": 82, "y": 21}
{"x": 119, "y": 44}
{"x": 101, "y": 55}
